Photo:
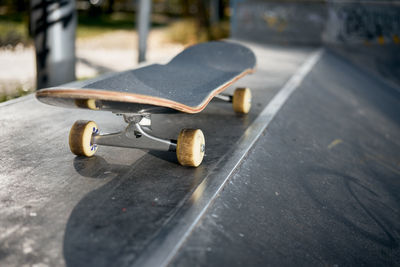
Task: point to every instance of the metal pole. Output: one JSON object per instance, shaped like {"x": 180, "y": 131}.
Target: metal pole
{"x": 53, "y": 25}
{"x": 143, "y": 23}
{"x": 214, "y": 12}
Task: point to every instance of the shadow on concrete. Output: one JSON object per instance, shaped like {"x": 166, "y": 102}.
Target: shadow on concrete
{"x": 112, "y": 224}
{"x": 364, "y": 200}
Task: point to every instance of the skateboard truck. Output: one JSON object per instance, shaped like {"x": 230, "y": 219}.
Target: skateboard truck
{"x": 84, "y": 139}
{"x": 84, "y": 136}
{"x": 135, "y": 136}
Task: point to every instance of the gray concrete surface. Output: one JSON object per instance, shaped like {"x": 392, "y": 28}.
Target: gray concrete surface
{"x": 320, "y": 188}
{"x": 381, "y": 61}
{"x": 57, "y": 209}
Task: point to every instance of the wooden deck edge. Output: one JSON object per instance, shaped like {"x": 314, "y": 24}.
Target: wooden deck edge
{"x": 79, "y": 93}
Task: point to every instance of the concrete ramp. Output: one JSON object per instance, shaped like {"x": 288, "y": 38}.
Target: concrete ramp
{"x": 309, "y": 177}
{"x": 320, "y": 187}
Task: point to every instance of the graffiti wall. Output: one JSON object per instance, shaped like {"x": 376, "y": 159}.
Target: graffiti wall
{"x": 314, "y": 22}
{"x": 363, "y": 22}
{"x": 366, "y": 32}
{"x": 278, "y": 22}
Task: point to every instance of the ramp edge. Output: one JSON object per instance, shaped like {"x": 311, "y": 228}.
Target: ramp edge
{"x": 162, "y": 250}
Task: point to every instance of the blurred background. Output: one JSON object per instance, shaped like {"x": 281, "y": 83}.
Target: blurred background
{"x": 364, "y": 31}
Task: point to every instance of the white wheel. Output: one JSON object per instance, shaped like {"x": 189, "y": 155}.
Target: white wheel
{"x": 80, "y": 138}
{"x": 242, "y": 100}
{"x": 190, "y": 147}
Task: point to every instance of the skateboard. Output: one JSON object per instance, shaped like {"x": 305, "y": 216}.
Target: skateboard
{"x": 186, "y": 84}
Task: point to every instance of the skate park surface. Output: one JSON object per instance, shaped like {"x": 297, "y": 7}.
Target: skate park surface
{"x": 310, "y": 176}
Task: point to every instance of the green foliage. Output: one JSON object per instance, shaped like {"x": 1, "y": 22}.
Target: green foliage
{"x": 13, "y": 30}
{"x": 187, "y": 32}
{"x": 220, "y": 30}
{"x": 184, "y": 32}
{"x": 89, "y": 26}
{"x": 116, "y": 20}
{"x": 18, "y": 92}
{"x": 14, "y": 6}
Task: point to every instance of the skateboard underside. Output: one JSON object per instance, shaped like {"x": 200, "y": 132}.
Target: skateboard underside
{"x": 187, "y": 83}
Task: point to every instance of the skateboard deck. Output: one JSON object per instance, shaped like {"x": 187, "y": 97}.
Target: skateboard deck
{"x": 187, "y": 83}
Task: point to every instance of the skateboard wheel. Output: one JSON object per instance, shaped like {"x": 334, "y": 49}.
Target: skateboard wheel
{"x": 86, "y": 103}
{"x": 242, "y": 100}
{"x": 190, "y": 147}
{"x": 80, "y": 138}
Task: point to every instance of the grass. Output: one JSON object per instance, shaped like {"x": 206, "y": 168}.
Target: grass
{"x": 14, "y": 27}
{"x": 19, "y": 91}
{"x": 186, "y": 32}
{"x": 13, "y": 30}
{"x": 90, "y": 26}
